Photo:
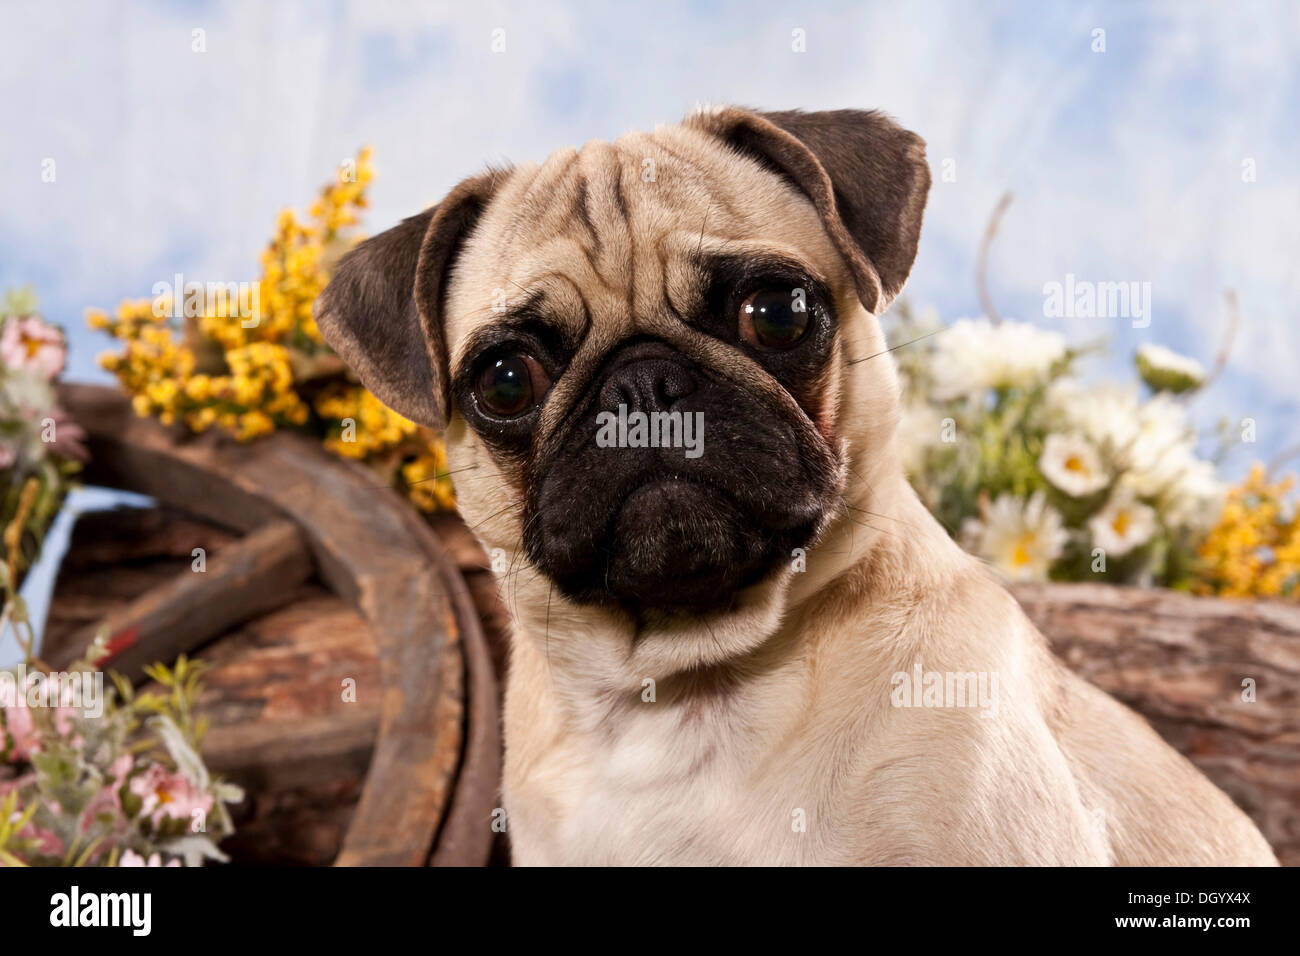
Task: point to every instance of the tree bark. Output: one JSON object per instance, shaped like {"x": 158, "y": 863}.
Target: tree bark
{"x": 1219, "y": 679}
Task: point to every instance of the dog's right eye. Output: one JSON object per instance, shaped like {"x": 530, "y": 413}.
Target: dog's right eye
{"x": 774, "y": 319}
{"x": 511, "y": 385}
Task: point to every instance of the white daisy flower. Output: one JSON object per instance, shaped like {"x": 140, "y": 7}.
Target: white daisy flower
{"x": 1185, "y": 487}
{"x": 1072, "y": 464}
{"x": 1122, "y": 525}
{"x": 1021, "y": 539}
{"x": 1163, "y": 430}
{"x": 1165, "y": 370}
{"x": 1135, "y": 435}
{"x": 1105, "y": 414}
{"x": 1197, "y": 496}
{"x": 1152, "y": 446}
{"x": 974, "y": 354}
{"x": 1162, "y": 464}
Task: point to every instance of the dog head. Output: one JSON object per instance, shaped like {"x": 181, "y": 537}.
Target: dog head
{"x": 646, "y": 355}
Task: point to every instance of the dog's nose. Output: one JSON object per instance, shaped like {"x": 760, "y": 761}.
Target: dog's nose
{"x": 647, "y": 385}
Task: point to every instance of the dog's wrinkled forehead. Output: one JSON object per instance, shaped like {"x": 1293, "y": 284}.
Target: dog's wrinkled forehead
{"x": 616, "y": 237}
{"x": 611, "y": 240}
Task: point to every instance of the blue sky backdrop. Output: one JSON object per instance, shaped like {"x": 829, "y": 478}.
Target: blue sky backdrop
{"x": 1125, "y": 164}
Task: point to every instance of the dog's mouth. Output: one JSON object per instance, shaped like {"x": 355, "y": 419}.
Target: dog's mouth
{"x": 652, "y": 528}
{"x": 674, "y": 544}
{"x": 688, "y": 546}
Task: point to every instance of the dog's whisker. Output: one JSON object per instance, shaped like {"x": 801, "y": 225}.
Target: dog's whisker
{"x": 494, "y": 514}
{"x": 700, "y": 245}
{"x": 513, "y": 572}
{"x": 895, "y": 347}
{"x": 549, "y": 589}
{"x": 877, "y": 514}
{"x": 865, "y": 524}
{"x": 447, "y": 474}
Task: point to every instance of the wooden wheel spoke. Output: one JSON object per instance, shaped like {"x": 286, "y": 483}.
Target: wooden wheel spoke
{"x": 301, "y": 508}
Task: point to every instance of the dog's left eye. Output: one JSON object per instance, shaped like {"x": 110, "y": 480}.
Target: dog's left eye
{"x": 511, "y": 385}
{"x": 774, "y": 319}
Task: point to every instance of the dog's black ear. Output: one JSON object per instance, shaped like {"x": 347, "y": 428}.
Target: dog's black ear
{"x": 866, "y": 176}
{"x": 382, "y": 310}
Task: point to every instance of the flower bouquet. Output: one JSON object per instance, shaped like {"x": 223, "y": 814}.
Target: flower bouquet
{"x": 106, "y": 778}
{"x": 1047, "y": 477}
{"x": 86, "y": 777}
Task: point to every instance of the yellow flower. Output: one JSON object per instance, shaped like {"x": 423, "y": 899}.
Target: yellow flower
{"x": 162, "y": 393}
{"x": 427, "y": 482}
{"x": 1253, "y": 550}
{"x": 254, "y": 424}
{"x": 199, "y": 388}
{"x": 213, "y": 371}
{"x": 202, "y": 419}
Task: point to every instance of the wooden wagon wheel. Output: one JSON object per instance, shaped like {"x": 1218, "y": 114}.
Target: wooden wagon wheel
{"x": 433, "y": 776}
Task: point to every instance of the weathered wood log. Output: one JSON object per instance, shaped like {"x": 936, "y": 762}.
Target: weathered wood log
{"x": 476, "y": 569}
{"x": 280, "y": 726}
{"x": 461, "y": 840}
{"x": 284, "y": 730}
{"x": 102, "y": 542}
{"x": 243, "y": 581}
{"x": 1219, "y": 679}
{"x": 115, "y": 556}
{"x": 358, "y": 538}
{"x": 374, "y": 551}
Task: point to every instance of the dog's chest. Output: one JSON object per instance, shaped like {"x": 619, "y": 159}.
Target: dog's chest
{"x": 659, "y": 789}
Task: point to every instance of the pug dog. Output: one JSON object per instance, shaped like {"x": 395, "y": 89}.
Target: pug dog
{"x": 738, "y": 636}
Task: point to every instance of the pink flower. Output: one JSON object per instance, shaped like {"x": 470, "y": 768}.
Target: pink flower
{"x": 169, "y": 796}
{"x": 7, "y": 454}
{"x": 47, "y": 844}
{"x": 8, "y": 786}
{"x": 108, "y": 799}
{"x": 68, "y": 436}
{"x": 44, "y": 842}
{"x": 18, "y": 722}
{"x": 26, "y": 740}
{"x": 120, "y": 768}
{"x": 63, "y": 722}
{"x": 29, "y": 343}
{"x": 131, "y": 858}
